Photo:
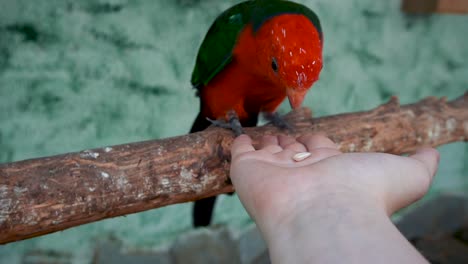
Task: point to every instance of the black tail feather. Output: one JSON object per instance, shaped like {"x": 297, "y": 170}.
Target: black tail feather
{"x": 200, "y": 124}
{"x": 203, "y": 211}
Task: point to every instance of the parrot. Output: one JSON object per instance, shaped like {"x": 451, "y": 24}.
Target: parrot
{"x": 255, "y": 54}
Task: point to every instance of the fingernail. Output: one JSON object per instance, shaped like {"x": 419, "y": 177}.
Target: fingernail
{"x": 301, "y": 156}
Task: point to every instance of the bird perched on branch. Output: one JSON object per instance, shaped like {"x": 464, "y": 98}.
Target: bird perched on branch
{"x": 255, "y": 54}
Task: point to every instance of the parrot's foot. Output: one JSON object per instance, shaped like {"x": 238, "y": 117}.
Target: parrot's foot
{"x": 232, "y": 123}
{"x": 277, "y": 121}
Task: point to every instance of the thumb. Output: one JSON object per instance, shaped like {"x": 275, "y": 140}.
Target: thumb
{"x": 413, "y": 177}
{"x": 429, "y": 157}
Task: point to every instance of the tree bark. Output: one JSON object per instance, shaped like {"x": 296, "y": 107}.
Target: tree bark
{"x": 45, "y": 195}
{"x": 435, "y": 6}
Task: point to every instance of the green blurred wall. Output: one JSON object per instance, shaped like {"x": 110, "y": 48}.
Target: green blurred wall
{"x": 83, "y": 74}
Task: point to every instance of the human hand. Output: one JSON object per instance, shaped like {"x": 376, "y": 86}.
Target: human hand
{"x": 276, "y": 190}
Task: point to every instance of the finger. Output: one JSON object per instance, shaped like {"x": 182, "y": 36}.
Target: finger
{"x": 314, "y": 141}
{"x": 242, "y": 144}
{"x": 410, "y": 177}
{"x": 429, "y": 158}
{"x": 285, "y": 156}
{"x": 270, "y": 144}
{"x": 291, "y": 143}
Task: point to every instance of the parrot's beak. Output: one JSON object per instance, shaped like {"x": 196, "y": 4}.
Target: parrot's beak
{"x": 295, "y": 97}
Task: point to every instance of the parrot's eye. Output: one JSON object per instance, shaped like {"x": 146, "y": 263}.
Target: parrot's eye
{"x": 274, "y": 65}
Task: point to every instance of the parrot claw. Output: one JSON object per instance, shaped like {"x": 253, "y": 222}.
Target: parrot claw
{"x": 233, "y": 123}
{"x": 278, "y": 121}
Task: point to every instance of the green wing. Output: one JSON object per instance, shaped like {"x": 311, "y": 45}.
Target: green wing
{"x": 216, "y": 49}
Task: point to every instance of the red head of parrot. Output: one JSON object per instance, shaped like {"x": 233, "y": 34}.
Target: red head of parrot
{"x": 287, "y": 51}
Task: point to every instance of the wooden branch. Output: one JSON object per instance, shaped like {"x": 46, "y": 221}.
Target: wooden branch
{"x": 45, "y": 195}
{"x": 435, "y": 6}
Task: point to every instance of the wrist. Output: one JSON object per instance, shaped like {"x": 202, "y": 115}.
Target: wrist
{"x": 333, "y": 227}
{"x": 324, "y": 207}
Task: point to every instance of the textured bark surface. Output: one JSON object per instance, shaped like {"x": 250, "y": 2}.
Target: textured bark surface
{"x": 435, "y": 6}
{"x": 45, "y": 195}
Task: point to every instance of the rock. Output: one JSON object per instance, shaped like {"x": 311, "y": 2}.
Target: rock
{"x": 443, "y": 249}
{"x": 263, "y": 259}
{"x": 445, "y": 213}
{"x": 110, "y": 252}
{"x": 252, "y": 247}
{"x": 204, "y": 246}
{"x": 439, "y": 229}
